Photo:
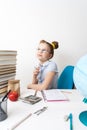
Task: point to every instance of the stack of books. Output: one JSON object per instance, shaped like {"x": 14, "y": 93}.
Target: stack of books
{"x": 7, "y": 68}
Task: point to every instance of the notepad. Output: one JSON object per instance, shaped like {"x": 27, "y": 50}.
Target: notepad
{"x": 53, "y": 95}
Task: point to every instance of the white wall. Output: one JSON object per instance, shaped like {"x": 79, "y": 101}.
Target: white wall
{"x": 23, "y": 23}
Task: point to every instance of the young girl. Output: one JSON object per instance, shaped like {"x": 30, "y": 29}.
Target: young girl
{"x": 46, "y": 74}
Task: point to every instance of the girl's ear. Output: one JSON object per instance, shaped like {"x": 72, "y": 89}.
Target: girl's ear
{"x": 50, "y": 56}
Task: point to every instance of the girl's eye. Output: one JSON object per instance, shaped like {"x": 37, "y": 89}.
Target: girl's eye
{"x": 38, "y": 49}
{"x": 43, "y": 50}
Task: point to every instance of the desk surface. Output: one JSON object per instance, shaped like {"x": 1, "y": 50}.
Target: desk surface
{"x": 51, "y": 119}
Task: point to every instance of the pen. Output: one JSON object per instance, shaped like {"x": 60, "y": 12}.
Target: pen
{"x": 6, "y": 95}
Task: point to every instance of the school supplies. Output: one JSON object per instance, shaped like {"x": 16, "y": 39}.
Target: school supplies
{"x": 38, "y": 112}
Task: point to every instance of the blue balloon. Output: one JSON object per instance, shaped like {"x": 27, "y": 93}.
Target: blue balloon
{"x": 80, "y": 75}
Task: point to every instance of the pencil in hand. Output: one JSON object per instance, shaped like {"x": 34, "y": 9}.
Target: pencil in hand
{"x": 35, "y": 93}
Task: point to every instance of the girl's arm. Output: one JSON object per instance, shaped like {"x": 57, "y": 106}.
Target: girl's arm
{"x": 45, "y": 84}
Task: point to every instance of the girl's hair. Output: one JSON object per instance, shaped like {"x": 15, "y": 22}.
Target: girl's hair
{"x": 53, "y": 45}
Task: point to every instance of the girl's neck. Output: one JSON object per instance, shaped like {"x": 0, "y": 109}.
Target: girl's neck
{"x": 42, "y": 62}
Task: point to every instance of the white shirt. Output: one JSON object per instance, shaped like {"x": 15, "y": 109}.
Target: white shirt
{"x": 48, "y": 66}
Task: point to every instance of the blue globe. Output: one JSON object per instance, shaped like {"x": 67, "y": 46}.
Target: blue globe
{"x": 80, "y": 75}
{"x": 80, "y": 81}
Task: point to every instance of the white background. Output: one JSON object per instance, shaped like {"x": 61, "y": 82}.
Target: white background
{"x": 23, "y": 23}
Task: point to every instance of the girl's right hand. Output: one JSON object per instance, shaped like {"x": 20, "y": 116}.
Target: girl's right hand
{"x": 36, "y": 71}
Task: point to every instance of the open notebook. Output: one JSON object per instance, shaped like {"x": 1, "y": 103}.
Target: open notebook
{"x": 53, "y": 95}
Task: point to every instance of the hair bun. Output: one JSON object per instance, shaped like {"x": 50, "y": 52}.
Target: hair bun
{"x": 55, "y": 44}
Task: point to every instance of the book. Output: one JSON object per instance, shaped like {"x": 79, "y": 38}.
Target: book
{"x": 7, "y": 57}
{"x": 2, "y": 94}
{"x": 3, "y": 82}
{"x": 7, "y": 75}
{"x": 8, "y": 52}
{"x": 7, "y": 66}
{"x": 4, "y": 85}
{"x": 7, "y": 72}
{"x": 8, "y": 63}
{"x": 30, "y": 99}
{"x": 12, "y": 77}
{"x": 4, "y": 89}
{"x": 7, "y": 69}
{"x": 53, "y": 95}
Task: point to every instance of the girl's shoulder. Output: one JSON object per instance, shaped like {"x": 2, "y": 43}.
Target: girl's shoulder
{"x": 53, "y": 66}
{"x": 52, "y": 63}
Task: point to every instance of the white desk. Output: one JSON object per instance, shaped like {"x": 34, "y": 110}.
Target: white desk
{"x": 51, "y": 119}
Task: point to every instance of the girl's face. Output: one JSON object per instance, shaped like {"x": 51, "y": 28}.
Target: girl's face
{"x": 43, "y": 52}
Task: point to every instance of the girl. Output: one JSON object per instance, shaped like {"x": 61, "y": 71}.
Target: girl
{"x": 46, "y": 74}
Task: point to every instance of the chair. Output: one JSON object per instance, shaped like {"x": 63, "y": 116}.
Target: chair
{"x": 65, "y": 80}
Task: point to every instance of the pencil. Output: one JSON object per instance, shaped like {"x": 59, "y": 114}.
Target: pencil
{"x": 19, "y": 122}
{"x": 35, "y": 93}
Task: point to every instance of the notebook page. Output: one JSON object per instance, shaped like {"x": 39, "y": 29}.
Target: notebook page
{"x": 54, "y": 95}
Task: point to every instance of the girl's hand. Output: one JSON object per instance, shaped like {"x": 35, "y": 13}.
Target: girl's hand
{"x": 35, "y": 74}
{"x": 36, "y": 71}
